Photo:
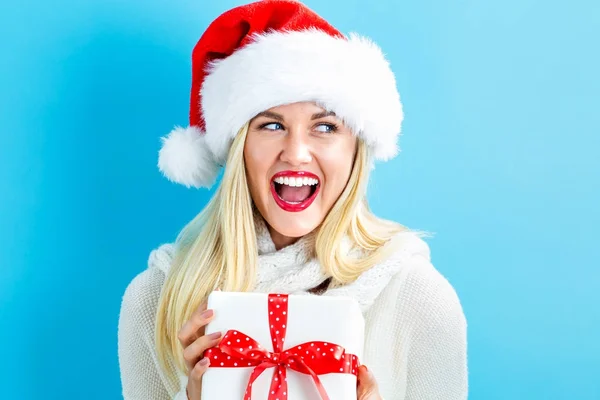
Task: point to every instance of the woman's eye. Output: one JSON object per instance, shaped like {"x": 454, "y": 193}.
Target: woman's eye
{"x": 273, "y": 126}
{"x": 326, "y": 128}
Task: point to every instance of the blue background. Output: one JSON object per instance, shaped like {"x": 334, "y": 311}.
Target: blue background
{"x": 500, "y": 158}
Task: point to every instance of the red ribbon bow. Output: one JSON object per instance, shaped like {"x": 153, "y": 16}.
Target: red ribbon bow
{"x": 237, "y": 349}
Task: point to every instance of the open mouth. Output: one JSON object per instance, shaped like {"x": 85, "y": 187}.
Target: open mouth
{"x": 295, "y": 190}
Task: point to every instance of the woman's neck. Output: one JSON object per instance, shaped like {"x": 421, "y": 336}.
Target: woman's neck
{"x": 280, "y": 241}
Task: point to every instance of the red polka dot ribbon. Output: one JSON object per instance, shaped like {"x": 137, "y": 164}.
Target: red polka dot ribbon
{"x": 237, "y": 349}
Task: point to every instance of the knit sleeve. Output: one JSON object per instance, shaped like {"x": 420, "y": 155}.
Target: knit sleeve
{"x": 141, "y": 376}
{"x": 437, "y": 352}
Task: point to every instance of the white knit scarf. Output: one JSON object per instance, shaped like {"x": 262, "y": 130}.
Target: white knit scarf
{"x": 294, "y": 269}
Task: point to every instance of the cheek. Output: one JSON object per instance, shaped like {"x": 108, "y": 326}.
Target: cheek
{"x": 336, "y": 163}
{"x": 257, "y": 165}
{"x": 252, "y": 168}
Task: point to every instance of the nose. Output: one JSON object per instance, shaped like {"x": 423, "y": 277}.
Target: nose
{"x": 296, "y": 149}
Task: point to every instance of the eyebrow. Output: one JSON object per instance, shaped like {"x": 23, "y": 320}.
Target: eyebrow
{"x": 279, "y": 117}
{"x": 270, "y": 114}
{"x": 323, "y": 115}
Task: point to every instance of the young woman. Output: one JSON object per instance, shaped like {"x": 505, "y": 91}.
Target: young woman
{"x": 297, "y": 113}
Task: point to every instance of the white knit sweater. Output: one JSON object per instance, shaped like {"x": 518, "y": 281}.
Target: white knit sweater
{"x": 415, "y": 329}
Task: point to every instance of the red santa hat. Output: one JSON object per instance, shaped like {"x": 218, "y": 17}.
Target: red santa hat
{"x": 274, "y": 52}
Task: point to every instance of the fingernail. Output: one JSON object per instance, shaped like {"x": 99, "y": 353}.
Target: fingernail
{"x": 214, "y": 335}
{"x": 365, "y": 367}
{"x": 203, "y": 362}
{"x": 207, "y": 314}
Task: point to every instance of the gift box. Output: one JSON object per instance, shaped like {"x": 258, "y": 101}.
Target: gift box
{"x": 283, "y": 347}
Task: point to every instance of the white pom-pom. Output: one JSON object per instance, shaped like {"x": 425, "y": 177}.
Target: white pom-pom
{"x": 184, "y": 158}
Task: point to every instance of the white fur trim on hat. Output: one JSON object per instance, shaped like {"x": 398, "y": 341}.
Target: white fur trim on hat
{"x": 350, "y": 77}
{"x": 184, "y": 158}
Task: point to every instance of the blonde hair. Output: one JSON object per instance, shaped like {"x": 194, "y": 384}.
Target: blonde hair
{"x": 218, "y": 247}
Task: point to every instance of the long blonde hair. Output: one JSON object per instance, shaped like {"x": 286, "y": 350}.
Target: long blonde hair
{"x": 218, "y": 247}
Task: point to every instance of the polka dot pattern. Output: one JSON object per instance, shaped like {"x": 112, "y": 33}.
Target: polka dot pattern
{"x": 237, "y": 349}
{"x": 277, "y": 320}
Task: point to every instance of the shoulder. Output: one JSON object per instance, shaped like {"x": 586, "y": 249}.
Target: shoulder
{"x": 427, "y": 299}
{"x": 429, "y": 317}
{"x": 161, "y": 257}
{"x": 433, "y": 298}
{"x": 423, "y": 295}
{"x": 141, "y": 295}
{"x": 408, "y": 244}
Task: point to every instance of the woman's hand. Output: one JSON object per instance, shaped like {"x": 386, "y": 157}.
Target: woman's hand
{"x": 195, "y": 343}
{"x": 367, "y": 386}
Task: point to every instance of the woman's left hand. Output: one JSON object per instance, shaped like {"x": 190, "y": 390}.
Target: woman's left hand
{"x": 367, "y": 386}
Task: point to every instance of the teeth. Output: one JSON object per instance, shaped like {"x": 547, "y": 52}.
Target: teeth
{"x": 296, "y": 182}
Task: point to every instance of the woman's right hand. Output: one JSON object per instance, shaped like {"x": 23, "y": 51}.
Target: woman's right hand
{"x": 195, "y": 343}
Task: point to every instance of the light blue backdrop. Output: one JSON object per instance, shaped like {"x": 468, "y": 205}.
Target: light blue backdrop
{"x": 499, "y": 158}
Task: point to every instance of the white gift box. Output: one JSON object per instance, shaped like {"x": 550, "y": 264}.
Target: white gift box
{"x": 330, "y": 324}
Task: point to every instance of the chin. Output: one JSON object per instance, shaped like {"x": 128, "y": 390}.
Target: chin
{"x": 294, "y": 225}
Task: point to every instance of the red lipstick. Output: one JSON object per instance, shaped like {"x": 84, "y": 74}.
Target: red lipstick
{"x": 294, "y": 207}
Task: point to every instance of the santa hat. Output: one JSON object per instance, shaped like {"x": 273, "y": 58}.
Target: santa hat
{"x": 274, "y": 52}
